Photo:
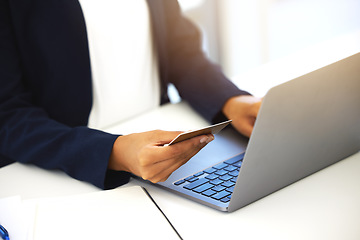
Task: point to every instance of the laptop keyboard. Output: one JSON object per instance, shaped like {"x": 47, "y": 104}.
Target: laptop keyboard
{"x": 216, "y": 182}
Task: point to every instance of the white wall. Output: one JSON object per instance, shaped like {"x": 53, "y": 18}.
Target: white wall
{"x": 242, "y": 34}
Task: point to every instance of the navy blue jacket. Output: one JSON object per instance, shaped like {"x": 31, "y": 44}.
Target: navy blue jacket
{"x": 45, "y": 84}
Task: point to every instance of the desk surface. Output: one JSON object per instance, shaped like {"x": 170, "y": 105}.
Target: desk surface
{"x": 324, "y": 205}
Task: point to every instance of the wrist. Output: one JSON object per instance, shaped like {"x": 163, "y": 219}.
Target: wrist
{"x": 115, "y": 159}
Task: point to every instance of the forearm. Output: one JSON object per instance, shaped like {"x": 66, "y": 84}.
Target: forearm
{"x": 198, "y": 80}
{"x": 80, "y": 152}
{"x": 207, "y": 90}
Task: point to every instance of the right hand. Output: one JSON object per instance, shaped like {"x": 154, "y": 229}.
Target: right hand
{"x": 145, "y": 155}
{"x": 243, "y": 110}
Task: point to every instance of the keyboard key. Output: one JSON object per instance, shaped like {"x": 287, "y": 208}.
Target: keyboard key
{"x": 228, "y": 184}
{"x": 238, "y": 164}
{"x": 198, "y": 174}
{"x": 225, "y": 199}
{"x": 233, "y": 160}
{"x": 216, "y": 181}
{"x": 179, "y": 182}
{"x": 220, "y": 166}
{"x": 230, "y": 168}
{"x": 230, "y": 189}
{"x": 225, "y": 177}
{"x": 212, "y": 176}
{"x": 203, "y": 188}
{"x": 218, "y": 188}
{"x": 195, "y": 184}
{"x": 234, "y": 173}
{"x": 188, "y": 178}
{"x": 220, "y": 195}
{"x": 193, "y": 179}
{"x": 210, "y": 170}
{"x": 208, "y": 193}
{"x": 221, "y": 172}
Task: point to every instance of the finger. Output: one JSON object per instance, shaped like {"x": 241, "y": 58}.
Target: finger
{"x": 246, "y": 130}
{"x": 176, "y": 157}
{"x": 166, "y": 168}
{"x": 254, "y": 110}
{"x": 192, "y": 143}
{"x": 161, "y": 138}
{"x": 245, "y": 127}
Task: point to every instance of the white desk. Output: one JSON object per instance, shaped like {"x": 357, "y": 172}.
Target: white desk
{"x": 325, "y": 205}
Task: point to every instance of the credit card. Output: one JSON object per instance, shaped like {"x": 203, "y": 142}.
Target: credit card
{"x": 213, "y": 129}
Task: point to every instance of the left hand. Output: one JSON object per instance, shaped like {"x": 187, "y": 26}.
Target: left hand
{"x": 243, "y": 111}
{"x": 145, "y": 155}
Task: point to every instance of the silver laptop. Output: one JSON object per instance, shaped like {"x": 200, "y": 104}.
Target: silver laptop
{"x": 303, "y": 126}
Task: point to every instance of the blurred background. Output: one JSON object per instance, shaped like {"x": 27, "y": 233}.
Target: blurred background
{"x": 240, "y": 35}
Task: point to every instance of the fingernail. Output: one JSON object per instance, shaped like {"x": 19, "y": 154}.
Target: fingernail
{"x": 210, "y": 139}
{"x": 204, "y": 139}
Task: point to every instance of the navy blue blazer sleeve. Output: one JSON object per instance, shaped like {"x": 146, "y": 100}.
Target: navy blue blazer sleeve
{"x": 199, "y": 81}
{"x": 29, "y": 135}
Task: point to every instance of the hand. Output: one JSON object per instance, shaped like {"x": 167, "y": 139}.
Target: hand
{"x": 145, "y": 155}
{"x": 243, "y": 111}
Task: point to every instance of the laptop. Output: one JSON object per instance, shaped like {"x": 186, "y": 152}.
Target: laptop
{"x": 303, "y": 126}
